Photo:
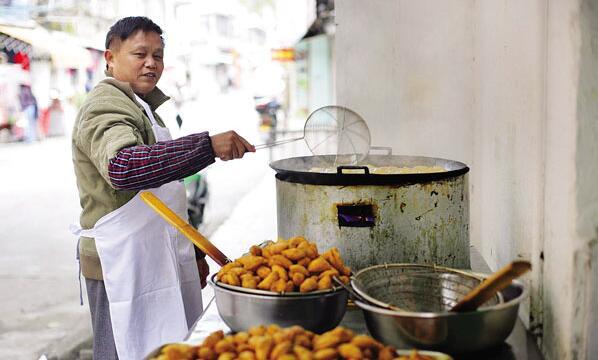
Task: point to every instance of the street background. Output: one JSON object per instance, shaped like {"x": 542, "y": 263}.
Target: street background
{"x": 227, "y": 67}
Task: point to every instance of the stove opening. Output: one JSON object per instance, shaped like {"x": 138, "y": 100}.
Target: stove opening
{"x": 356, "y": 215}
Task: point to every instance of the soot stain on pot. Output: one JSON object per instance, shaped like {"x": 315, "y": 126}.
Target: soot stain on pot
{"x": 418, "y": 218}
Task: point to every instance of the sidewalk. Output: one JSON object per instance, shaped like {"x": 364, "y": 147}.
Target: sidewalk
{"x": 252, "y": 221}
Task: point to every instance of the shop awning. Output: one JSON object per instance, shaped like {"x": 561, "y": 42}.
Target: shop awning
{"x": 63, "y": 53}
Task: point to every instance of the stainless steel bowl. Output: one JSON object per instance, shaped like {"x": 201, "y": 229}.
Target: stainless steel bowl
{"x": 426, "y": 293}
{"x": 241, "y": 310}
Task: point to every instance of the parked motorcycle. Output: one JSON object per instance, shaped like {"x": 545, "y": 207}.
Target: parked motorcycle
{"x": 196, "y": 187}
{"x": 267, "y": 107}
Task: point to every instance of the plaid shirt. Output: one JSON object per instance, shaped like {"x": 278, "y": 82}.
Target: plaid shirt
{"x": 150, "y": 166}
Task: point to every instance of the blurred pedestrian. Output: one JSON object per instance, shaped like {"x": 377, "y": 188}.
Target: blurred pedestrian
{"x": 143, "y": 278}
{"x": 28, "y": 104}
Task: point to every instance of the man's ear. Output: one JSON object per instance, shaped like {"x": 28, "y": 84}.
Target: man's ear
{"x": 109, "y": 57}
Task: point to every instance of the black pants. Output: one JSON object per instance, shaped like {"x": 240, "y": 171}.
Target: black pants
{"x": 103, "y": 340}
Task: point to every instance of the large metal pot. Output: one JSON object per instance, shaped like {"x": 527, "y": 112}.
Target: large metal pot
{"x": 377, "y": 218}
{"x": 318, "y": 312}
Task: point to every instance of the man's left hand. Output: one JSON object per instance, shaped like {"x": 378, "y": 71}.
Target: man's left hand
{"x": 204, "y": 271}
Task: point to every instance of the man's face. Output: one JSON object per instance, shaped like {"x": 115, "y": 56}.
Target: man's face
{"x": 138, "y": 60}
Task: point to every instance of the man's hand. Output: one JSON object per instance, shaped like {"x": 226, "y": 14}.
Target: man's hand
{"x": 204, "y": 271}
{"x": 230, "y": 145}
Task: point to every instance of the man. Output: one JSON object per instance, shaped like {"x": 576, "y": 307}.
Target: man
{"x": 142, "y": 276}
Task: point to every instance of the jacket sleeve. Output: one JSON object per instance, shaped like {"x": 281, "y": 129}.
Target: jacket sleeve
{"x": 107, "y": 126}
{"x": 149, "y": 166}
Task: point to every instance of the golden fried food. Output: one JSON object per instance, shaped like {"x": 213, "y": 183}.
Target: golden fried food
{"x": 231, "y": 279}
{"x": 309, "y": 284}
{"x": 364, "y": 341}
{"x": 266, "y": 284}
{"x": 282, "y": 272}
{"x": 294, "y": 254}
{"x": 297, "y": 278}
{"x": 319, "y": 265}
{"x": 325, "y": 283}
{"x": 297, "y": 241}
{"x": 304, "y": 262}
{"x": 251, "y": 262}
{"x": 263, "y": 271}
{"x": 278, "y": 247}
{"x": 279, "y": 285}
{"x": 274, "y": 343}
{"x": 255, "y": 250}
{"x": 350, "y": 351}
{"x": 302, "y": 352}
{"x": 296, "y": 261}
{"x": 248, "y": 281}
{"x": 330, "y": 273}
{"x": 280, "y": 260}
{"x": 326, "y": 354}
{"x": 387, "y": 353}
{"x": 299, "y": 268}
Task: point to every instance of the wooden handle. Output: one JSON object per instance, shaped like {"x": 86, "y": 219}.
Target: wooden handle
{"x": 493, "y": 284}
{"x": 184, "y": 227}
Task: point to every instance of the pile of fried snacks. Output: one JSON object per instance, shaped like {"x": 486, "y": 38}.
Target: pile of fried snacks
{"x": 292, "y": 343}
{"x": 292, "y": 265}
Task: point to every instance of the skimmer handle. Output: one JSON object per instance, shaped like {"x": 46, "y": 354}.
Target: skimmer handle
{"x": 493, "y": 284}
{"x": 279, "y": 142}
{"x": 184, "y": 227}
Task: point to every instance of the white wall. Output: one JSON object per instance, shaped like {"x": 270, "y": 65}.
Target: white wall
{"x": 510, "y": 88}
{"x": 508, "y": 141}
{"x": 411, "y": 82}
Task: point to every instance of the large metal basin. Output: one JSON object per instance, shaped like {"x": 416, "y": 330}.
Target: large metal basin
{"x": 317, "y": 312}
{"x": 425, "y": 322}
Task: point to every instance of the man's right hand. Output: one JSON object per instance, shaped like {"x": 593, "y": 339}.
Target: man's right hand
{"x": 230, "y": 145}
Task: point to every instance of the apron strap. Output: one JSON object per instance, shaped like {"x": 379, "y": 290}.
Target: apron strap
{"x": 147, "y": 109}
{"x": 79, "y": 273}
{"x": 76, "y": 230}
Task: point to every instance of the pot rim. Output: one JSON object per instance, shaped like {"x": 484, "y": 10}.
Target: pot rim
{"x": 448, "y": 314}
{"x": 285, "y": 171}
{"x": 270, "y": 294}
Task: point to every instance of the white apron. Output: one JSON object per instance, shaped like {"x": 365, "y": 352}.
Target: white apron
{"x": 149, "y": 269}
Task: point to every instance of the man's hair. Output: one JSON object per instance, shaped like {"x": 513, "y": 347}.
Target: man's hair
{"x": 125, "y": 27}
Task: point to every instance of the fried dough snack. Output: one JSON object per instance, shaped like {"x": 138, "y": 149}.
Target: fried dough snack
{"x": 286, "y": 266}
{"x": 292, "y": 343}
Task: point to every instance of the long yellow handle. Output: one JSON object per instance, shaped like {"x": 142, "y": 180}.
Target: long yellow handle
{"x": 184, "y": 227}
{"x": 493, "y": 284}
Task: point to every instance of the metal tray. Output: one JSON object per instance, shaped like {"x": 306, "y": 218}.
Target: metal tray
{"x": 434, "y": 354}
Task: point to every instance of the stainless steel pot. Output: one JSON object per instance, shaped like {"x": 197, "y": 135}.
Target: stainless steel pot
{"x": 377, "y": 218}
{"x": 425, "y": 322}
{"x": 241, "y": 310}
